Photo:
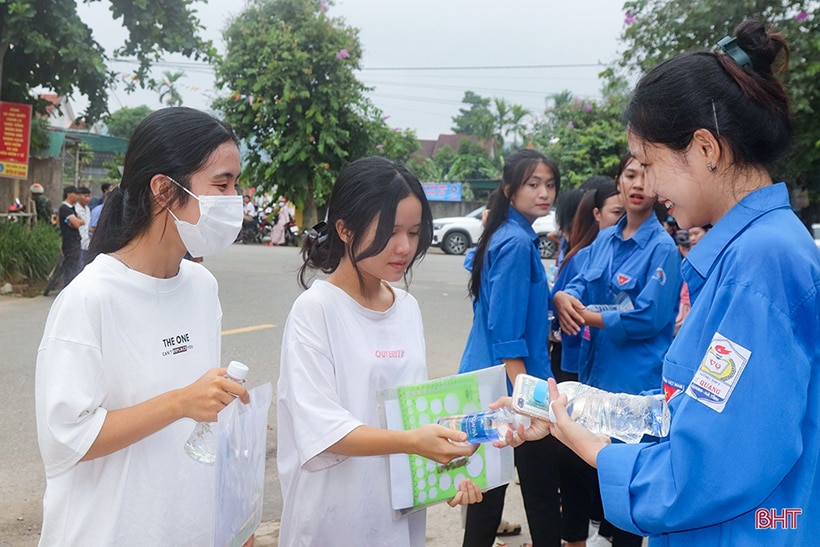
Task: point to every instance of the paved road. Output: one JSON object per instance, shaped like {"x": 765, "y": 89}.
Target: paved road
{"x": 257, "y": 287}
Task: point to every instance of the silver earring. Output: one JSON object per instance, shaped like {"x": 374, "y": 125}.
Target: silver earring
{"x": 712, "y": 168}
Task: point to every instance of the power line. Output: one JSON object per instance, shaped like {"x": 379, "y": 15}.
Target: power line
{"x": 489, "y": 67}
{"x": 193, "y": 65}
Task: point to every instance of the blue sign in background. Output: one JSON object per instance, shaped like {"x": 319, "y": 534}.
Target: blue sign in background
{"x": 442, "y": 191}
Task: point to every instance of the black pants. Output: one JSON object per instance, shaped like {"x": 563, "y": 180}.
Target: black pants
{"x": 575, "y": 481}
{"x": 72, "y": 264}
{"x": 538, "y": 473}
{"x": 620, "y": 538}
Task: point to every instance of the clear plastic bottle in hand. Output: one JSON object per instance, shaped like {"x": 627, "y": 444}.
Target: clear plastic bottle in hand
{"x": 485, "y": 427}
{"x": 201, "y": 445}
{"x": 618, "y": 415}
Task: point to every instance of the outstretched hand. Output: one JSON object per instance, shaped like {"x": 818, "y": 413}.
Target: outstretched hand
{"x": 212, "y": 392}
{"x": 433, "y": 441}
{"x": 578, "y": 438}
{"x": 538, "y": 429}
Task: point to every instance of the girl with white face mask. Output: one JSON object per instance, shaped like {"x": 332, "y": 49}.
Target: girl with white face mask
{"x": 130, "y": 355}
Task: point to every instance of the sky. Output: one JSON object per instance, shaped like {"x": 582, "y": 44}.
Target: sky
{"x": 564, "y": 46}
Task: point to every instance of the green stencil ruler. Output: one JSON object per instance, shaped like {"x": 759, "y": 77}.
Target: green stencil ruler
{"x": 422, "y": 404}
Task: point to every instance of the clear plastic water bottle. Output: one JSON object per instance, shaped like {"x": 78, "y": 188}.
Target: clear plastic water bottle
{"x": 601, "y": 307}
{"x": 485, "y": 427}
{"x": 618, "y": 415}
{"x": 201, "y": 445}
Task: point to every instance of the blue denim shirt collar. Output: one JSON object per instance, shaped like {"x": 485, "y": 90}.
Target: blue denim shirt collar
{"x": 702, "y": 258}
{"x": 514, "y": 216}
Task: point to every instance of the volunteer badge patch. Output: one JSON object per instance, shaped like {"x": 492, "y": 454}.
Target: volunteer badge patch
{"x": 718, "y": 372}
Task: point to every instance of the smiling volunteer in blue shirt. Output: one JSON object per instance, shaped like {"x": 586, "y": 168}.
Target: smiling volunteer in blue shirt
{"x": 633, "y": 271}
{"x": 509, "y": 288}
{"x": 741, "y": 463}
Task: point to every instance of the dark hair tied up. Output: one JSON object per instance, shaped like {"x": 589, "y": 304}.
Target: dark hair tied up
{"x": 746, "y": 108}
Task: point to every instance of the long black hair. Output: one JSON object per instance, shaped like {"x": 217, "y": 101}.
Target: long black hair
{"x": 366, "y": 189}
{"x": 176, "y": 142}
{"x": 518, "y": 168}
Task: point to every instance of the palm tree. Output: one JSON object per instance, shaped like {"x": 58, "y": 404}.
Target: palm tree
{"x": 518, "y": 127}
{"x": 168, "y": 93}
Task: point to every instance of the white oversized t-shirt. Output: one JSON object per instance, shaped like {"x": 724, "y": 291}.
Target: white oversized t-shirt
{"x": 336, "y": 355}
{"x": 115, "y": 338}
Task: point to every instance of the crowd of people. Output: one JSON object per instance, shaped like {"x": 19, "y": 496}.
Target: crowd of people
{"x": 739, "y": 371}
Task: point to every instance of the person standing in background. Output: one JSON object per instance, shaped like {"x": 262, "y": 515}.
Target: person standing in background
{"x": 632, "y": 274}
{"x": 70, "y": 224}
{"x": 84, "y": 212}
{"x": 42, "y": 204}
{"x": 509, "y": 288}
{"x": 97, "y": 200}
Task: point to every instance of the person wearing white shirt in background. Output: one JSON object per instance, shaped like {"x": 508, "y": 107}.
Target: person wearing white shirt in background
{"x": 84, "y": 212}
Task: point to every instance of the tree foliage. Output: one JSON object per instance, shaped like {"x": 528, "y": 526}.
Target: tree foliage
{"x": 470, "y": 162}
{"x": 124, "y": 121}
{"x": 44, "y": 43}
{"x": 686, "y": 25}
{"x": 491, "y": 119}
{"x": 585, "y": 137}
{"x": 296, "y": 102}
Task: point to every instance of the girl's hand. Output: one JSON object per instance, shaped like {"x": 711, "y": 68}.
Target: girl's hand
{"x": 538, "y": 429}
{"x": 468, "y": 492}
{"x": 432, "y": 441}
{"x": 203, "y": 399}
{"x": 578, "y": 438}
{"x": 568, "y": 310}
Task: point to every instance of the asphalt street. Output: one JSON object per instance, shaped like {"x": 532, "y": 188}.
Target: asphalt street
{"x": 257, "y": 287}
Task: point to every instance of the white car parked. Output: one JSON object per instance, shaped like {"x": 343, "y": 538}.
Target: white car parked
{"x": 454, "y": 235}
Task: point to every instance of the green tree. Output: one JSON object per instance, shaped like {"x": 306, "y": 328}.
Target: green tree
{"x": 471, "y": 162}
{"x": 296, "y": 102}
{"x": 490, "y": 119}
{"x": 476, "y": 118}
{"x": 517, "y": 125}
{"x": 657, "y": 30}
{"x": 44, "y": 43}
{"x": 123, "y": 122}
{"x": 585, "y": 137}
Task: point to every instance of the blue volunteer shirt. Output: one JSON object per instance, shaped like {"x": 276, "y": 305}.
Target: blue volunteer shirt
{"x": 510, "y": 317}
{"x": 570, "y": 343}
{"x": 626, "y": 356}
{"x": 740, "y": 466}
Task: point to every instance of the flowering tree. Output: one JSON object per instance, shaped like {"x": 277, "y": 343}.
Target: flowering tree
{"x": 585, "y": 137}
{"x": 295, "y": 101}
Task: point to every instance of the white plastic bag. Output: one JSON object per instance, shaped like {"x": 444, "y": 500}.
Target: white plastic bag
{"x": 241, "y": 432}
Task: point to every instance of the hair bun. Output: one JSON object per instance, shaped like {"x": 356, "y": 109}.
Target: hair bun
{"x": 768, "y": 51}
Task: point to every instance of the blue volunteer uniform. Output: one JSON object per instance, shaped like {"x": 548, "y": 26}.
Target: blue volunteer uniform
{"x": 740, "y": 466}
{"x": 570, "y": 343}
{"x": 510, "y": 317}
{"x": 642, "y": 276}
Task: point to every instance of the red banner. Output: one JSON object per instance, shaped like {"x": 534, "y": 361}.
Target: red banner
{"x": 15, "y": 137}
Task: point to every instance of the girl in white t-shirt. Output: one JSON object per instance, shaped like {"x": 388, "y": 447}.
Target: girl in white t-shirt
{"x": 129, "y": 359}
{"x": 346, "y": 338}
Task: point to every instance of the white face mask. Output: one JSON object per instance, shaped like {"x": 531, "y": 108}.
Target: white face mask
{"x": 220, "y": 219}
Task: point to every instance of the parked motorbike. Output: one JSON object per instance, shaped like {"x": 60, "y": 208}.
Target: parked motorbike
{"x": 257, "y": 231}
{"x": 292, "y": 234}
{"x": 17, "y": 206}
